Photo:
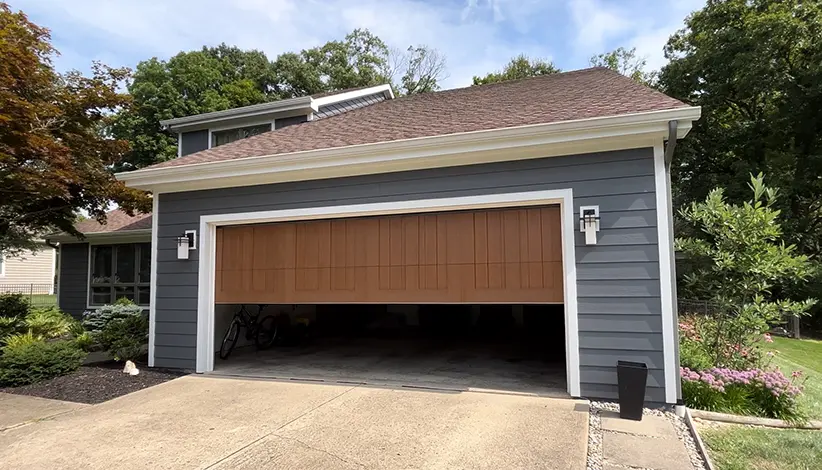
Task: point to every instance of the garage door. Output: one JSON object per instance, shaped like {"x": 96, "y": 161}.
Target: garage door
{"x": 485, "y": 256}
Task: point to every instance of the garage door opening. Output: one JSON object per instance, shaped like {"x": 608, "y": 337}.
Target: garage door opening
{"x": 517, "y": 348}
{"x": 459, "y": 298}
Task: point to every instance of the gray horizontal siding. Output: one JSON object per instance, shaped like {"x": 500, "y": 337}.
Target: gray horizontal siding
{"x": 72, "y": 280}
{"x": 193, "y": 142}
{"x": 289, "y": 121}
{"x": 618, "y": 278}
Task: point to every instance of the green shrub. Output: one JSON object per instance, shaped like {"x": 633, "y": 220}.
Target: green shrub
{"x": 125, "y": 338}
{"x": 29, "y": 362}
{"x": 96, "y": 320}
{"x": 736, "y": 259}
{"x": 85, "y": 341}
{"x": 13, "y": 305}
{"x": 9, "y": 326}
{"x": 49, "y": 322}
{"x": 124, "y": 301}
{"x": 20, "y": 340}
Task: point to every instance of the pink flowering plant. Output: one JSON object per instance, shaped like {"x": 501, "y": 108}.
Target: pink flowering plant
{"x": 756, "y": 392}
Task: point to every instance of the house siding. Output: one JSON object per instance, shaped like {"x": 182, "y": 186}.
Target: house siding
{"x": 618, "y": 278}
{"x": 192, "y": 142}
{"x": 289, "y": 121}
{"x": 34, "y": 268}
{"x": 72, "y": 281}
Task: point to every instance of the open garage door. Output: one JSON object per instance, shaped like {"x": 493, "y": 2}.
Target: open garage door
{"x": 480, "y": 256}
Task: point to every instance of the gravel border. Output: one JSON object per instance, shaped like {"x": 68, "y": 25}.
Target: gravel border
{"x": 595, "y": 455}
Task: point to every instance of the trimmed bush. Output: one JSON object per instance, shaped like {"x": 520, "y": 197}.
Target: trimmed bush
{"x": 96, "y": 320}
{"x": 753, "y": 392}
{"x": 125, "y": 338}
{"x": 13, "y": 305}
{"x": 32, "y": 361}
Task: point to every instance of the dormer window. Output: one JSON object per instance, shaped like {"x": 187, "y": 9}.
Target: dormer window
{"x": 227, "y": 136}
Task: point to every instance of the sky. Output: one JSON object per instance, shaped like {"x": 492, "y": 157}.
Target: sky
{"x": 476, "y": 36}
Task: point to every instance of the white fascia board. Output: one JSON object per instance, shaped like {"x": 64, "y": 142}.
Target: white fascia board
{"x": 350, "y": 95}
{"x": 515, "y": 143}
{"x": 136, "y": 236}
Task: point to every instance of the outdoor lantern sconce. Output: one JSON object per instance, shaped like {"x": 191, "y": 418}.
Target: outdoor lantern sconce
{"x": 186, "y": 243}
{"x": 589, "y": 223}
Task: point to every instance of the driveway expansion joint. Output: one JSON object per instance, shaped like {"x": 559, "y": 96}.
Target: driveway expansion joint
{"x": 255, "y": 441}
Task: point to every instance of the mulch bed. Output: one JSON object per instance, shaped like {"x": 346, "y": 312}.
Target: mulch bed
{"x": 96, "y": 383}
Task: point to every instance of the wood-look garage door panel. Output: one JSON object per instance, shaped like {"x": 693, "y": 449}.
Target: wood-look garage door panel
{"x": 490, "y": 256}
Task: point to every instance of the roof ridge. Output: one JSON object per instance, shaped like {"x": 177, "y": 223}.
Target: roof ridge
{"x": 572, "y": 95}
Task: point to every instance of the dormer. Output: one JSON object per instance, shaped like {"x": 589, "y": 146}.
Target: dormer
{"x": 204, "y": 131}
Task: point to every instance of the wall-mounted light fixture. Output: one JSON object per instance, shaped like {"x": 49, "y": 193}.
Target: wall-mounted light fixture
{"x": 186, "y": 243}
{"x": 589, "y": 223}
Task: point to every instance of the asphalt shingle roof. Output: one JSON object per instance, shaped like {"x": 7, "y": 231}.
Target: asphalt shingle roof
{"x": 116, "y": 221}
{"x": 581, "y": 94}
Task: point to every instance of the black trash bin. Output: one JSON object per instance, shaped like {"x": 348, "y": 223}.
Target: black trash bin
{"x": 631, "y": 378}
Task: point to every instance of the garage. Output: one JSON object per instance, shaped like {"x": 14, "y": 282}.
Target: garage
{"x": 452, "y": 299}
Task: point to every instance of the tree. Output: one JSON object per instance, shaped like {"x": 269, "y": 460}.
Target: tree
{"x": 211, "y": 79}
{"x": 736, "y": 258}
{"x": 519, "y": 67}
{"x": 626, "y": 62}
{"x": 224, "y": 77}
{"x": 755, "y": 67}
{"x": 55, "y": 156}
{"x": 420, "y": 69}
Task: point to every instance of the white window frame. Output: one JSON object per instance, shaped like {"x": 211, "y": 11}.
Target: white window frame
{"x": 2, "y": 265}
{"x": 562, "y": 197}
{"x": 212, "y": 130}
{"x": 112, "y": 243}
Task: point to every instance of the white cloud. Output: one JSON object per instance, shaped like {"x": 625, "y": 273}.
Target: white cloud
{"x": 476, "y": 36}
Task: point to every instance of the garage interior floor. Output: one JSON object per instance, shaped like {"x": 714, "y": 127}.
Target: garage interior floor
{"x": 461, "y": 364}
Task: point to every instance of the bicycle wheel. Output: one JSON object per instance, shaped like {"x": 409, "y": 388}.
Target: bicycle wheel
{"x": 230, "y": 339}
{"x": 266, "y": 332}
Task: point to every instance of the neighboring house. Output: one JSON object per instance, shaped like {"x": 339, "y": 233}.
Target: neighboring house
{"x": 30, "y": 272}
{"x": 466, "y": 196}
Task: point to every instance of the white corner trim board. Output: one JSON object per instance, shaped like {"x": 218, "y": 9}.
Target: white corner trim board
{"x": 493, "y": 145}
{"x": 563, "y": 197}
{"x": 663, "y": 212}
{"x": 152, "y": 309}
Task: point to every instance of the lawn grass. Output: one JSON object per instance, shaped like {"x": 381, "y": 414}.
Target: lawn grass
{"x": 805, "y": 355}
{"x": 43, "y": 300}
{"x": 741, "y": 448}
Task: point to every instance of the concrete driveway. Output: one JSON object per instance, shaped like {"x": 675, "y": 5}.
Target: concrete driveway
{"x": 210, "y": 422}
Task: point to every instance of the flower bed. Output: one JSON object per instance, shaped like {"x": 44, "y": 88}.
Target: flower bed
{"x": 757, "y": 392}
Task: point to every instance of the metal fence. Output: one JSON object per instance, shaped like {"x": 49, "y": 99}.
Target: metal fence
{"x": 789, "y": 326}
{"x": 38, "y": 295}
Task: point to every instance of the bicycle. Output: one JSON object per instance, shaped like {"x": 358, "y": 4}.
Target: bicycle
{"x": 264, "y": 331}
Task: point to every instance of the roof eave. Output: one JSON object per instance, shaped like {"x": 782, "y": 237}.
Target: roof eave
{"x": 303, "y": 103}
{"x": 559, "y": 138}
{"x": 120, "y": 235}
{"x": 207, "y": 119}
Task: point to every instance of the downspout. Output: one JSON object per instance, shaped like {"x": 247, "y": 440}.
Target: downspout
{"x": 669, "y": 157}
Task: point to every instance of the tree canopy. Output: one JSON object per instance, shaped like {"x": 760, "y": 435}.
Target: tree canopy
{"x": 224, "y": 77}
{"x": 55, "y": 158}
{"x": 755, "y": 67}
{"x": 626, "y": 62}
{"x": 518, "y": 67}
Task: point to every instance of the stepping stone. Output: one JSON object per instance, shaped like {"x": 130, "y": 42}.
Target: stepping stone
{"x": 645, "y": 452}
{"x": 652, "y": 426}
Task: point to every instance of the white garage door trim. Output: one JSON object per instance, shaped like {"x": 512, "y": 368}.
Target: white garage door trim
{"x": 563, "y": 197}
